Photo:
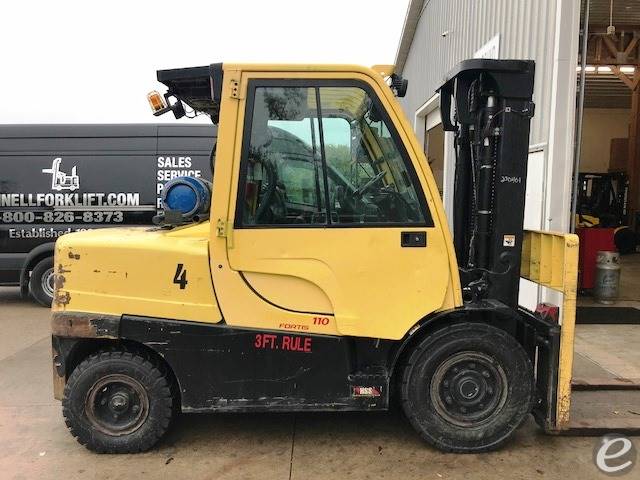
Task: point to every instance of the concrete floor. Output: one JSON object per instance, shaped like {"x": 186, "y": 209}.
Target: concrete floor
{"x": 604, "y": 351}
{"x": 34, "y": 442}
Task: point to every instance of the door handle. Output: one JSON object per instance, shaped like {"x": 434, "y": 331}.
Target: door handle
{"x": 413, "y": 239}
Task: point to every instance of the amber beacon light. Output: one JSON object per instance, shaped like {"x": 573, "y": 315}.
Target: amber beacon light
{"x": 156, "y": 101}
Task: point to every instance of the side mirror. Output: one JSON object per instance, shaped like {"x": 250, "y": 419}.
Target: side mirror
{"x": 399, "y": 85}
{"x": 178, "y": 109}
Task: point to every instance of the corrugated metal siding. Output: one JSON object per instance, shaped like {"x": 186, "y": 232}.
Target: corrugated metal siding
{"x": 526, "y": 29}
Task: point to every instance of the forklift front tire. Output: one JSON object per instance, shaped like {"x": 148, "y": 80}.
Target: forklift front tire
{"x": 118, "y": 402}
{"x": 466, "y": 388}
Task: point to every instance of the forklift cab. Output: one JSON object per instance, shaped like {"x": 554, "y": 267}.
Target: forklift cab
{"x": 323, "y": 276}
{"x": 321, "y": 189}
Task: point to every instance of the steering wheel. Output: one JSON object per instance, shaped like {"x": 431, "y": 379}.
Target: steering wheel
{"x": 272, "y": 203}
{"x": 367, "y": 186}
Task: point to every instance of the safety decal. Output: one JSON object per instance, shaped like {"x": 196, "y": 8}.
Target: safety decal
{"x": 509, "y": 241}
{"x": 269, "y": 341}
{"x": 359, "y": 391}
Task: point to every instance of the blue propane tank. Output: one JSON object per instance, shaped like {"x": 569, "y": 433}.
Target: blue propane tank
{"x": 186, "y": 199}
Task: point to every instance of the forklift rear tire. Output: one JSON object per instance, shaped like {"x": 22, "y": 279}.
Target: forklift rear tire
{"x": 41, "y": 282}
{"x": 118, "y": 402}
{"x": 466, "y": 388}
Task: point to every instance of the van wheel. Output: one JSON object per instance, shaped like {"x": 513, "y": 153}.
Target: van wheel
{"x": 41, "y": 282}
{"x": 118, "y": 402}
{"x": 467, "y": 388}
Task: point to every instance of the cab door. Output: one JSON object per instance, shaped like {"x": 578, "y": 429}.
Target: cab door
{"x": 332, "y": 225}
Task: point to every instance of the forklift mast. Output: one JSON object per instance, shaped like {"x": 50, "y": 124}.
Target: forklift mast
{"x": 490, "y": 117}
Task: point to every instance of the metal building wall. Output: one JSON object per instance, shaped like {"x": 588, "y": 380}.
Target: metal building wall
{"x": 547, "y": 31}
{"x": 526, "y": 29}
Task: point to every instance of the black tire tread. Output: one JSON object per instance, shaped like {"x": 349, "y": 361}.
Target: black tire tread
{"x": 405, "y": 370}
{"x": 161, "y": 385}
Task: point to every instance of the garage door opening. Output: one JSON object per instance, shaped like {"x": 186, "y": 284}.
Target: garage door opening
{"x": 606, "y": 365}
{"x": 607, "y": 183}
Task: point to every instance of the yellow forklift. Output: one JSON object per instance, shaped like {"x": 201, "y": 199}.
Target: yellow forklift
{"x": 318, "y": 272}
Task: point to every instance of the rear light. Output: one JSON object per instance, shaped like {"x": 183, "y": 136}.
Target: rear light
{"x": 549, "y": 312}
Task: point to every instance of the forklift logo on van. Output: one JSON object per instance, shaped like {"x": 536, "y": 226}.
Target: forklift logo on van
{"x": 59, "y": 179}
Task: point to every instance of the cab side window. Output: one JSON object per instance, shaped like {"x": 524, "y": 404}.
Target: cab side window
{"x": 283, "y": 166}
{"x": 324, "y": 155}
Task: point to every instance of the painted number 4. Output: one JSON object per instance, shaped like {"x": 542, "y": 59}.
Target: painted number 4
{"x": 180, "y": 278}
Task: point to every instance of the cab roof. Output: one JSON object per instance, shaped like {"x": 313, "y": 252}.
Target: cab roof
{"x": 201, "y": 87}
